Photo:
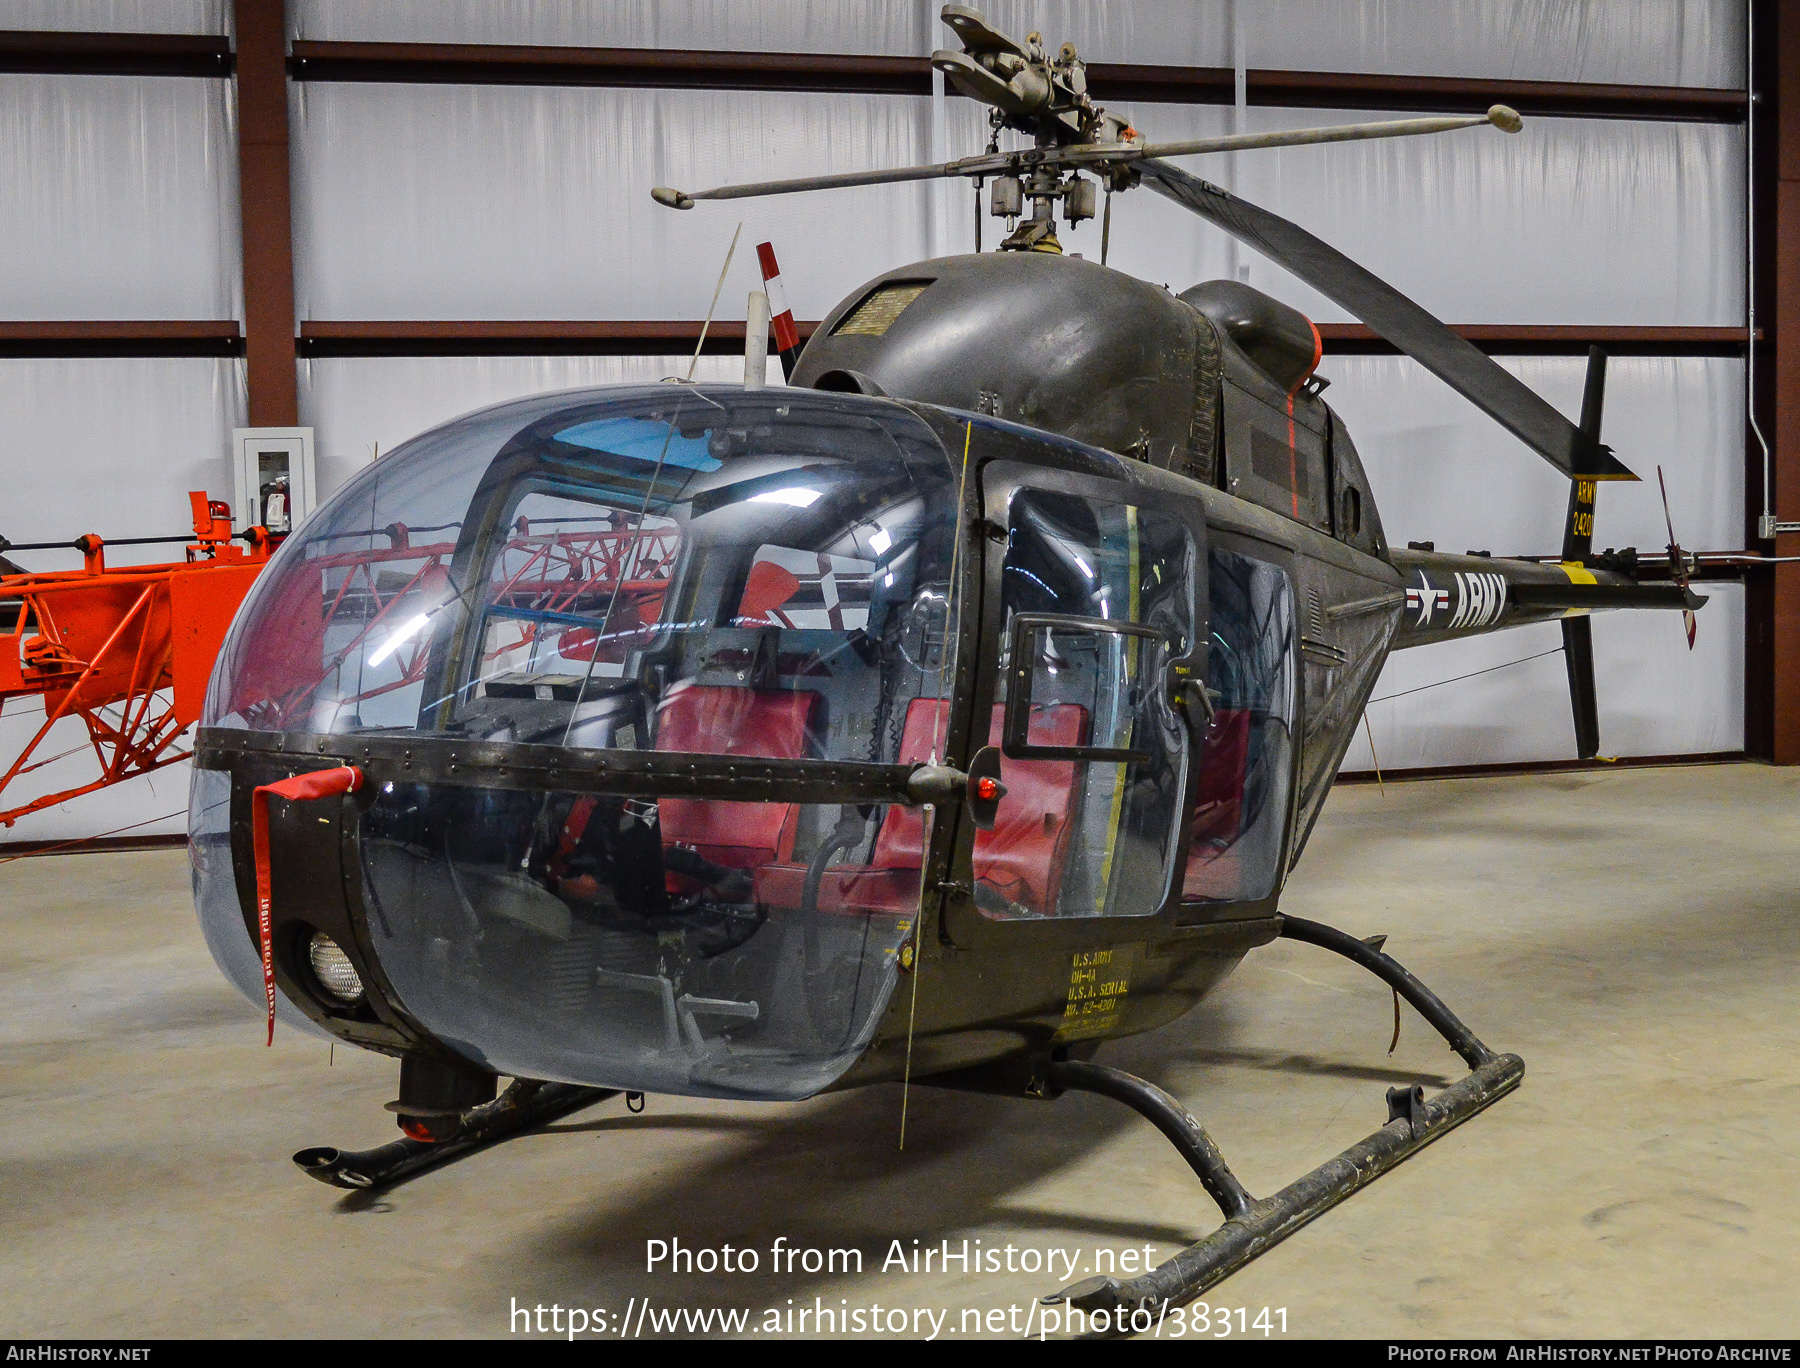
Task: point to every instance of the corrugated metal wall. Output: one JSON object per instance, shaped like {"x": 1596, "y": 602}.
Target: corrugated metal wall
{"x": 439, "y": 201}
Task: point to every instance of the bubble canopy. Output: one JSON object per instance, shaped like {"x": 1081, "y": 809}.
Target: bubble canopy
{"x": 667, "y": 570}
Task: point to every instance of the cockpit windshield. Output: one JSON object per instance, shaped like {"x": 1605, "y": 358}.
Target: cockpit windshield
{"x": 667, "y": 569}
{"x": 612, "y": 556}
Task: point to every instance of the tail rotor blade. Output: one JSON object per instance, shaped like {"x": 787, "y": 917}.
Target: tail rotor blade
{"x": 1668, "y": 521}
{"x": 1677, "y": 560}
{"x": 1493, "y": 390}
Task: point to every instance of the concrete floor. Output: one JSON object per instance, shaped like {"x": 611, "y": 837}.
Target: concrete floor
{"x": 1634, "y": 935}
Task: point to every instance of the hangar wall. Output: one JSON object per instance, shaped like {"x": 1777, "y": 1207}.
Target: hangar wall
{"x": 441, "y": 201}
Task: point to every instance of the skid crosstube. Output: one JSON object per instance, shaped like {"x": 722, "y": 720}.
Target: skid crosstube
{"x": 524, "y": 1106}
{"x": 1252, "y": 1227}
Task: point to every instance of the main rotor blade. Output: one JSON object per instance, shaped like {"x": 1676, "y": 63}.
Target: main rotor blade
{"x": 1079, "y": 155}
{"x": 1496, "y": 392}
{"x": 1499, "y": 116}
{"x": 676, "y": 199}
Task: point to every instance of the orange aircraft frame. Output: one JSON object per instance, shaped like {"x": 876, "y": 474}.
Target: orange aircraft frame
{"x": 130, "y": 651}
{"x": 102, "y": 645}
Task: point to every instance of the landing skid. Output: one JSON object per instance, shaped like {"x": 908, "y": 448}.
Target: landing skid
{"x": 524, "y": 1106}
{"x": 1253, "y": 1227}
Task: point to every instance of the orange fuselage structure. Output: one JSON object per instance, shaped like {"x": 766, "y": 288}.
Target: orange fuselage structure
{"x": 130, "y": 651}
{"x": 127, "y": 651}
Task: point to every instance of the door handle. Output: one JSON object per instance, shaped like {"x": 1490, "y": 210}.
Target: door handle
{"x": 1187, "y": 693}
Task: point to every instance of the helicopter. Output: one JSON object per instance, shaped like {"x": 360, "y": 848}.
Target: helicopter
{"x": 932, "y": 719}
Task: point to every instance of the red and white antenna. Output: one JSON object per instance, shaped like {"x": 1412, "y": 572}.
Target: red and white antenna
{"x": 787, "y": 336}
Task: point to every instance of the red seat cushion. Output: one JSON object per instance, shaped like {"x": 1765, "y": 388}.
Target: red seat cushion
{"x": 890, "y": 881}
{"x": 1212, "y": 865}
{"x": 1022, "y": 857}
{"x": 900, "y": 844}
{"x": 713, "y": 720}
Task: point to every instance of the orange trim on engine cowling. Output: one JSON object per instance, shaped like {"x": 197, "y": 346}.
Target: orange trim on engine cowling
{"x": 1293, "y": 389}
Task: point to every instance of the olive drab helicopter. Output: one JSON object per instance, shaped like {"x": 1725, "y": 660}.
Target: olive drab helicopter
{"x": 932, "y": 719}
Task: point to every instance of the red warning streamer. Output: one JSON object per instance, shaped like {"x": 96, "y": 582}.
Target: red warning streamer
{"x": 318, "y": 784}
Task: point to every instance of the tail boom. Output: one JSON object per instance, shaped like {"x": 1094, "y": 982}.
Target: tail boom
{"x": 1449, "y": 597}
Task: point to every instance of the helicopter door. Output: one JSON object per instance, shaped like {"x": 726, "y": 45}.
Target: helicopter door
{"x": 1097, "y": 605}
{"x": 1246, "y": 753}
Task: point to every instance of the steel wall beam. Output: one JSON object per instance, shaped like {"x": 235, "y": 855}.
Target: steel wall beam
{"x": 1552, "y": 339}
{"x": 673, "y": 337}
{"x": 130, "y": 337}
{"x": 161, "y": 54}
{"x": 1759, "y": 584}
{"x": 653, "y": 337}
{"x": 1781, "y": 133}
{"x": 265, "y": 203}
{"x": 669, "y": 69}
{"x": 506, "y": 64}
{"x": 552, "y": 337}
{"x": 114, "y": 54}
{"x": 1458, "y": 94}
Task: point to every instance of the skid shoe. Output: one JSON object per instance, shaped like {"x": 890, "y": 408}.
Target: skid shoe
{"x": 524, "y": 1106}
{"x": 1253, "y": 1226}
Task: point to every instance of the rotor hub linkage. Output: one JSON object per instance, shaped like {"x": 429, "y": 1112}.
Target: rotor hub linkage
{"x": 1253, "y": 1226}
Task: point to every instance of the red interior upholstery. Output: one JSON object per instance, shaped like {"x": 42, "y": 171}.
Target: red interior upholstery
{"x": 1212, "y": 866}
{"x": 900, "y": 844}
{"x": 890, "y": 881}
{"x": 713, "y": 720}
{"x": 1022, "y": 858}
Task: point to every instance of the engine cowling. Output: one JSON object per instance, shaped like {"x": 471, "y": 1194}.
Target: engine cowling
{"x": 1053, "y": 342}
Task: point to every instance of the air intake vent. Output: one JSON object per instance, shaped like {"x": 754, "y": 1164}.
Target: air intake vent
{"x": 878, "y": 310}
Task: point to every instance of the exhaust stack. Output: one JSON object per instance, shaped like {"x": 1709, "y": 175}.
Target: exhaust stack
{"x": 756, "y": 341}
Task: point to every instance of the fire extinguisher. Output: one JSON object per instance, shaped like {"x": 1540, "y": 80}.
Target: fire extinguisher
{"x": 275, "y": 506}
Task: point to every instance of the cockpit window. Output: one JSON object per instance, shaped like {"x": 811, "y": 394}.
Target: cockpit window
{"x": 613, "y": 556}
{"x": 564, "y": 564}
{"x": 675, "y": 570}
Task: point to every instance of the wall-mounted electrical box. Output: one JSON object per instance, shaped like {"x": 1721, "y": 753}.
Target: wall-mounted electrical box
{"x": 273, "y": 473}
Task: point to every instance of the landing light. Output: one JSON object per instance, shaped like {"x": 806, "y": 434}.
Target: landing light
{"x": 332, "y": 967}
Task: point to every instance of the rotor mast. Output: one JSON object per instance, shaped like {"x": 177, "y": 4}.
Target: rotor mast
{"x": 1048, "y": 100}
